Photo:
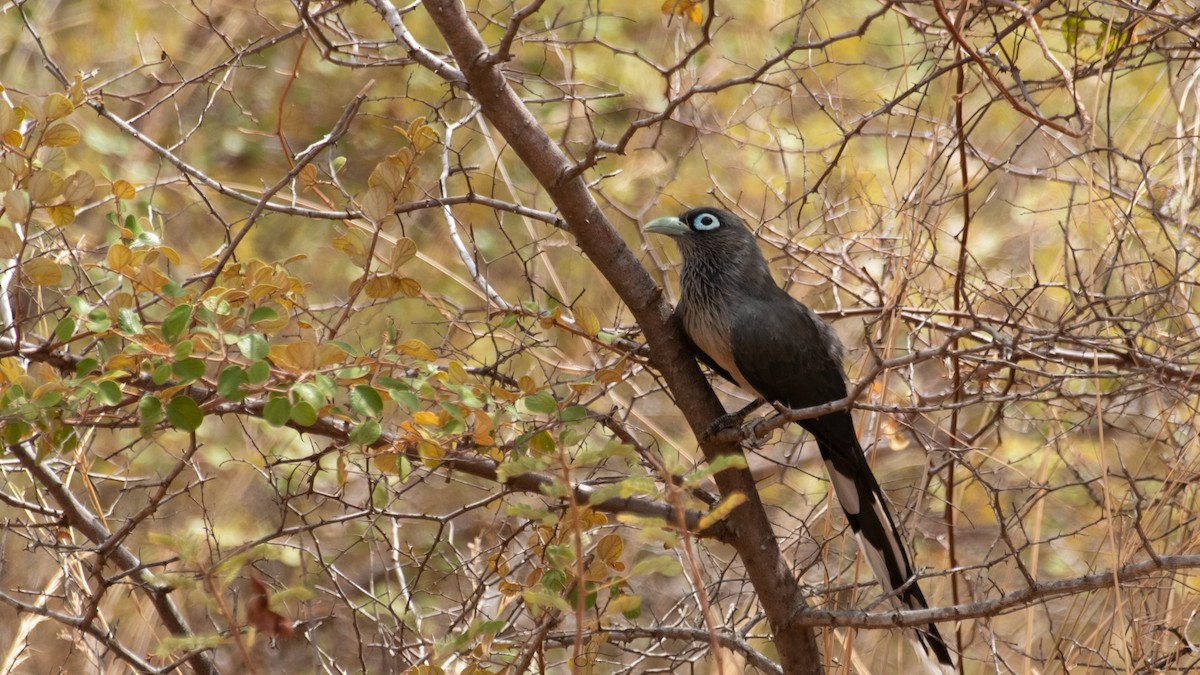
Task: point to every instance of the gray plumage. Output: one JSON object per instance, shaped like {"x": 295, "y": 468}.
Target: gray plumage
{"x": 748, "y": 329}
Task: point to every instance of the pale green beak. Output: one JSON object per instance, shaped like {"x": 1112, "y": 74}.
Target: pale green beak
{"x": 671, "y": 226}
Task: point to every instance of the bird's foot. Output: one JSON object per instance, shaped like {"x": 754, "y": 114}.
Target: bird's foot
{"x": 720, "y": 428}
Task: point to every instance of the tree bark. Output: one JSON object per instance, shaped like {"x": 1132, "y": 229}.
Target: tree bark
{"x": 753, "y": 537}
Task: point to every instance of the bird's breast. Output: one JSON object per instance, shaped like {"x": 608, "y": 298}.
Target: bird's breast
{"x": 710, "y": 333}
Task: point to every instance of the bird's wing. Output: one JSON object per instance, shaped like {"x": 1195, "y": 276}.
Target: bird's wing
{"x": 788, "y": 355}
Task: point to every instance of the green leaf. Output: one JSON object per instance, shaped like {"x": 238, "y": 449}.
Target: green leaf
{"x": 129, "y": 322}
{"x": 254, "y": 346}
{"x": 48, "y": 399}
{"x": 15, "y": 431}
{"x": 188, "y": 370}
{"x": 263, "y": 314}
{"x": 717, "y": 465}
{"x": 541, "y": 402}
{"x": 258, "y": 372}
{"x": 78, "y": 304}
{"x": 176, "y": 322}
{"x": 65, "y": 329}
{"x": 659, "y": 564}
{"x": 109, "y": 393}
{"x": 150, "y": 408}
{"x": 304, "y": 414}
{"x": 536, "y": 599}
{"x": 162, "y": 373}
{"x": 184, "y": 349}
{"x": 542, "y": 443}
{"x": 230, "y": 382}
{"x": 85, "y": 366}
{"x": 366, "y": 433}
{"x": 407, "y": 399}
{"x": 97, "y": 321}
{"x": 628, "y": 605}
{"x": 354, "y": 372}
{"x": 277, "y": 411}
{"x": 150, "y": 413}
{"x": 184, "y": 414}
{"x": 309, "y": 393}
{"x": 366, "y": 401}
{"x": 573, "y": 413}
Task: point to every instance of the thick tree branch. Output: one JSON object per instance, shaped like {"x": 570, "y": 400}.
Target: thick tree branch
{"x": 754, "y": 538}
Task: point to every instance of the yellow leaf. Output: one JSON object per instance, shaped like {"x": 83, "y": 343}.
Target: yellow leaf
{"x": 308, "y": 176}
{"x": 78, "y": 93}
{"x": 496, "y": 563}
{"x": 404, "y": 251}
{"x": 526, "y": 384}
{"x": 170, "y": 253}
{"x": 623, "y": 603}
{"x": 13, "y": 138}
{"x": 418, "y": 350}
{"x": 42, "y": 272}
{"x": 381, "y": 287}
{"x": 44, "y": 186}
{"x": 586, "y": 319}
{"x": 376, "y": 204}
{"x": 431, "y": 453}
{"x": 62, "y": 215}
{"x": 60, "y": 135}
{"x": 10, "y": 243}
{"x": 695, "y": 14}
{"x": 119, "y": 257}
{"x": 549, "y": 320}
{"x": 120, "y": 362}
{"x": 303, "y": 354}
{"x": 386, "y": 462}
{"x": 329, "y": 354}
{"x": 426, "y": 137}
{"x": 429, "y": 419}
{"x": 56, "y": 106}
{"x": 409, "y": 286}
{"x": 722, "y": 509}
{"x": 16, "y": 205}
{"x": 483, "y": 428}
{"x": 610, "y": 547}
{"x": 78, "y": 188}
{"x": 458, "y": 374}
{"x": 348, "y": 245}
{"x": 387, "y": 176}
{"x": 123, "y": 189}
{"x": 8, "y": 119}
{"x": 610, "y": 375}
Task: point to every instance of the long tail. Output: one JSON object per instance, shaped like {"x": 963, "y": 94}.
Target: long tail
{"x": 866, "y": 509}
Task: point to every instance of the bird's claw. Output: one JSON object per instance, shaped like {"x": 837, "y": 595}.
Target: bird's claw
{"x": 717, "y": 428}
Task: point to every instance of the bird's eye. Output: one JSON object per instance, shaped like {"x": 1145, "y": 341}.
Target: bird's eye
{"x": 705, "y": 222}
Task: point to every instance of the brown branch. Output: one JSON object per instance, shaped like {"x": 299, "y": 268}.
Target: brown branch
{"x": 1035, "y": 594}
{"x": 777, "y": 589}
{"x": 728, "y": 639}
{"x": 80, "y": 518}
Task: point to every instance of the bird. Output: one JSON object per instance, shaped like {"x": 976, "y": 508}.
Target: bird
{"x": 750, "y": 331}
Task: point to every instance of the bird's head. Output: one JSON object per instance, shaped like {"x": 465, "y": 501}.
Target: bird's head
{"x": 709, "y": 235}
{"x": 704, "y": 223}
